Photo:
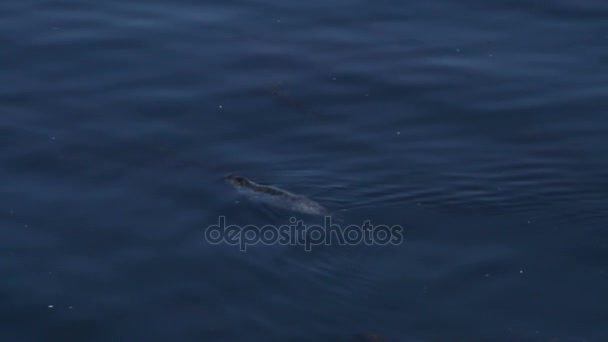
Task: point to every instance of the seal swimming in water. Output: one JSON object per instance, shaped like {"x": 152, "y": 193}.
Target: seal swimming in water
{"x": 276, "y": 197}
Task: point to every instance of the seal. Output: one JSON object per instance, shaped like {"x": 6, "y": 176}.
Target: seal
{"x": 276, "y": 197}
{"x": 242, "y": 182}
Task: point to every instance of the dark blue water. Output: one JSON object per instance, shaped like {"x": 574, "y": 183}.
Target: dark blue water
{"x": 479, "y": 126}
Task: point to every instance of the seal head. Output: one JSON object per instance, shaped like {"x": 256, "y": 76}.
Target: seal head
{"x": 237, "y": 180}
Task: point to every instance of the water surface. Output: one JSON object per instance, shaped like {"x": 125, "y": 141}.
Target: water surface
{"x": 478, "y": 126}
